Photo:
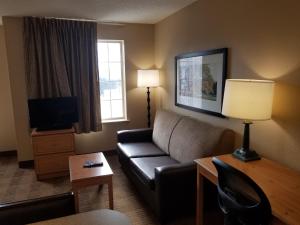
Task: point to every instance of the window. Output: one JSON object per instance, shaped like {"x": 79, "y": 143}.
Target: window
{"x": 112, "y": 80}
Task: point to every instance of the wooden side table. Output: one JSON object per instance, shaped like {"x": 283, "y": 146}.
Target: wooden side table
{"x": 81, "y": 177}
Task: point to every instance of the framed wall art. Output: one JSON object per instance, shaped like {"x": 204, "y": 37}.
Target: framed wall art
{"x": 200, "y": 80}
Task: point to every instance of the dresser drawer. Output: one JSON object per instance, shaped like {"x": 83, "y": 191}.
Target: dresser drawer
{"x": 53, "y": 144}
{"x": 52, "y": 163}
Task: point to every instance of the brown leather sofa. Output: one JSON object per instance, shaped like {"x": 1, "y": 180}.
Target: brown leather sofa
{"x": 159, "y": 161}
{"x": 35, "y": 210}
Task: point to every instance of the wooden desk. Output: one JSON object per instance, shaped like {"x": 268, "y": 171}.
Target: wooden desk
{"x": 82, "y": 177}
{"x": 280, "y": 184}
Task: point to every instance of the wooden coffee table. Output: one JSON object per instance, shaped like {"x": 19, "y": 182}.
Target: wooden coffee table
{"x": 81, "y": 177}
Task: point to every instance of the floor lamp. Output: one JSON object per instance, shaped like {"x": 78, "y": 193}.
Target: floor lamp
{"x": 248, "y": 100}
{"x": 148, "y": 78}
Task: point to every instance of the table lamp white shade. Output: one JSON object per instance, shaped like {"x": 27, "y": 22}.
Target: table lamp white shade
{"x": 148, "y": 78}
{"x": 248, "y": 99}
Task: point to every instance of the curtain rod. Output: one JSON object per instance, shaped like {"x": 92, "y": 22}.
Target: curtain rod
{"x": 63, "y": 18}
{"x": 78, "y": 19}
{"x": 87, "y": 20}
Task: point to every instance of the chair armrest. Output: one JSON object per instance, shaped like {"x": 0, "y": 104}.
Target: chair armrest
{"x": 135, "y": 135}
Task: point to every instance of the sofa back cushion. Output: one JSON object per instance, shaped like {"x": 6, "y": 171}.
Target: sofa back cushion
{"x": 192, "y": 139}
{"x": 164, "y": 124}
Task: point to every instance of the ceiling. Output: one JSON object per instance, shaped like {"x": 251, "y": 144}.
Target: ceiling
{"x": 126, "y": 11}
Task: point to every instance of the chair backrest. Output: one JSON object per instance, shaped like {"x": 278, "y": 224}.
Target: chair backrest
{"x": 240, "y": 198}
{"x": 34, "y": 210}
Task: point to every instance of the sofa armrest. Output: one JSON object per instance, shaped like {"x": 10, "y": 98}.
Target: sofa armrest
{"x": 39, "y": 209}
{"x": 174, "y": 170}
{"x": 175, "y": 185}
{"x": 135, "y": 135}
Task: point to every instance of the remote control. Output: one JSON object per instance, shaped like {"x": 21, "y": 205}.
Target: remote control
{"x": 97, "y": 164}
{"x": 90, "y": 164}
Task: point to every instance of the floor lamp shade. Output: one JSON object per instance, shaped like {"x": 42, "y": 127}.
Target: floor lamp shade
{"x": 148, "y": 78}
{"x": 248, "y": 100}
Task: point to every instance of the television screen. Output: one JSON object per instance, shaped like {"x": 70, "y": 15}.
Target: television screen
{"x": 53, "y": 113}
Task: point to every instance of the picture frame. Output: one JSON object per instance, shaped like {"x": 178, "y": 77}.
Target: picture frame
{"x": 200, "y": 80}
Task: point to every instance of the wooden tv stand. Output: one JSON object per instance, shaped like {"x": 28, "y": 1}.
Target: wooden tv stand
{"x": 51, "y": 151}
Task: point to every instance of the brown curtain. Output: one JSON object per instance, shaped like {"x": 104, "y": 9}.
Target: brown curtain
{"x": 61, "y": 60}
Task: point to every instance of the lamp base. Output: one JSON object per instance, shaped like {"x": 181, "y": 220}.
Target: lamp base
{"x": 245, "y": 155}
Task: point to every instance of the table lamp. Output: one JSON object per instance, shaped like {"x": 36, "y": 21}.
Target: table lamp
{"x": 248, "y": 100}
{"x": 148, "y": 78}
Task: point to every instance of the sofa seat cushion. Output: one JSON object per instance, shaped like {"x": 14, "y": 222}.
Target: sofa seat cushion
{"x": 142, "y": 149}
{"x": 144, "y": 167}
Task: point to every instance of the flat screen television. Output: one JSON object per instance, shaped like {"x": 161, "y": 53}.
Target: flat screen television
{"x": 53, "y": 113}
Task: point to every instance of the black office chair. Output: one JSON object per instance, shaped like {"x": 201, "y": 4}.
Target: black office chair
{"x": 242, "y": 201}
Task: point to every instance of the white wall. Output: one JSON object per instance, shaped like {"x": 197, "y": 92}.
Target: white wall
{"x": 263, "y": 38}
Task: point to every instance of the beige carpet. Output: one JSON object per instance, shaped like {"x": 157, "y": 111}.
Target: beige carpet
{"x": 19, "y": 184}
